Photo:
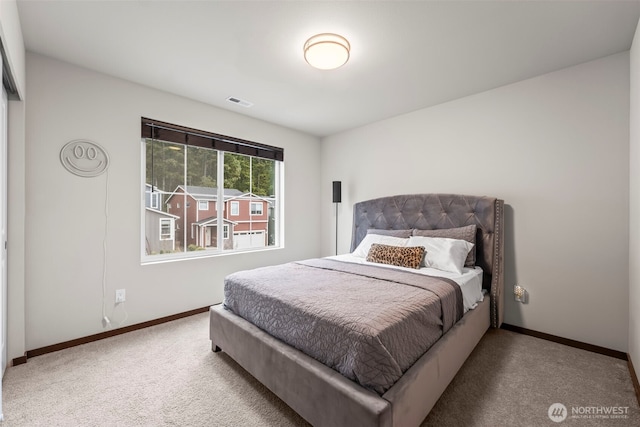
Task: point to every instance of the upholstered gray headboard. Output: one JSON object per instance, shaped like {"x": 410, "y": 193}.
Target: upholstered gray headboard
{"x": 438, "y": 211}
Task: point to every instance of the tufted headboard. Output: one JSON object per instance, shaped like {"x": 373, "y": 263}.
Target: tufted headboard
{"x": 438, "y": 211}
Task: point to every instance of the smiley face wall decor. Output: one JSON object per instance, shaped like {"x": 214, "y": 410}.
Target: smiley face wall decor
{"x": 84, "y": 158}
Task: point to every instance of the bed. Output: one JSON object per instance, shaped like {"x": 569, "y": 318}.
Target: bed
{"x": 326, "y": 397}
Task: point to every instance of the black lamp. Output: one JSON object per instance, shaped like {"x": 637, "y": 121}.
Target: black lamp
{"x": 337, "y": 198}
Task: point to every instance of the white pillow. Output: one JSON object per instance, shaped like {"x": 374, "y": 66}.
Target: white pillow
{"x": 365, "y": 244}
{"x": 443, "y": 253}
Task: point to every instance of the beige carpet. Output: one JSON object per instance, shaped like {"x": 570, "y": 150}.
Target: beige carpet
{"x": 167, "y": 376}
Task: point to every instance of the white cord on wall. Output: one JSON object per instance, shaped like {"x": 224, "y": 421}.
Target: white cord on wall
{"x": 105, "y": 320}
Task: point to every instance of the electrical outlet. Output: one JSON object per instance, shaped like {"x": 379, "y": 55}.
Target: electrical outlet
{"x": 520, "y": 293}
{"x": 120, "y": 296}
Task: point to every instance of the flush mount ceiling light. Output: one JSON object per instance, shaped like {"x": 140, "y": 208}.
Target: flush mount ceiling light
{"x": 326, "y": 51}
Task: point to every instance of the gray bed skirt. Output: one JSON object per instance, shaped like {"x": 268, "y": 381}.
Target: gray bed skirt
{"x": 324, "y": 397}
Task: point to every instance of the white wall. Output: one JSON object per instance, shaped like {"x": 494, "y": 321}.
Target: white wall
{"x": 64, "y": 220}
{"x": 634, "y": 205}
{"x": 555, "y": 148}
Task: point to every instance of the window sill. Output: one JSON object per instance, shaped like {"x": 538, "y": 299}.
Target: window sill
{"x": 194, "y": 255}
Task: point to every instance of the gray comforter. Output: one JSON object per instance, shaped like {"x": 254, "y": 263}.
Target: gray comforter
{"x": 369, "y": 323}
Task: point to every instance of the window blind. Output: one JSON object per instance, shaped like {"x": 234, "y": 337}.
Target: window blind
{"x": 155, "y": 129}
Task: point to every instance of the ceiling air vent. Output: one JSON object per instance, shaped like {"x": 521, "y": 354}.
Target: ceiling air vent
{"x": 239, "y": 101}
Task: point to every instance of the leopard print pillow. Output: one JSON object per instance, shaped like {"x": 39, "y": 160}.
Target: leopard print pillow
{"x": 410, "y": 257}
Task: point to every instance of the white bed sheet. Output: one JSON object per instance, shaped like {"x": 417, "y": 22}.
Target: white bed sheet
{"x": 470, "y": 281}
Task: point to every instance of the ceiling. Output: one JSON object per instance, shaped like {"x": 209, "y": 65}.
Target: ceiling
{"x": 406, "y": 55}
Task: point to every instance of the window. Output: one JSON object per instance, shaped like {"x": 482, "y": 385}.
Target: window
{"x": 155, "y": 200}
{"x": 256, "y": 208}
{"x": 183, "y": 165}
{"x": 166, "y": 228}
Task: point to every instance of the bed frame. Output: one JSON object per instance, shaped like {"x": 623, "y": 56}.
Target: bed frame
{"x": 324, "y": 397}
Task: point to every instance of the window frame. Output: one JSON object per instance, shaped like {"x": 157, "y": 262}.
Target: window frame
{"x": 234, "y": 204}
{"x": 200, "y": 208}
{"x": 154, "y": 200}
{"x": 171, "y": 229}
{"x": 251, "y": 211}
{"x": 274, "y": 231}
